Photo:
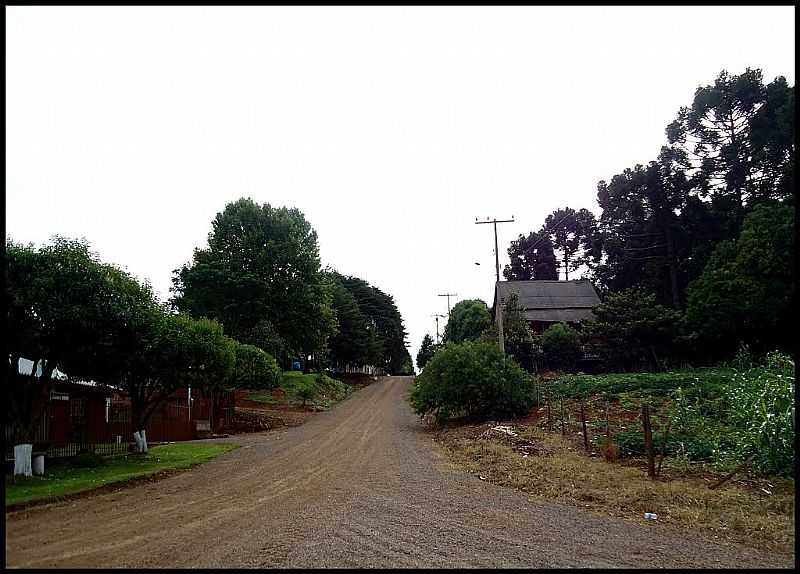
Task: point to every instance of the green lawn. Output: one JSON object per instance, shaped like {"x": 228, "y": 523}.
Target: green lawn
{"x": 64, "y": 478}
{"x": 326, "y": 391}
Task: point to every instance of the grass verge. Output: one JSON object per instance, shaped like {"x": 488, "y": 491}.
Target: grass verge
{"x": 758, "y": 512}
{"x": 64, "y": 479}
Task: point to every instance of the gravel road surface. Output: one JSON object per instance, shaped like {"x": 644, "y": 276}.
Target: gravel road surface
{"x": 361, "y": 485}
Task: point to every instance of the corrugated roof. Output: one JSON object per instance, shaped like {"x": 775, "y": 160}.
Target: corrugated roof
{"x": 545, "y": 300}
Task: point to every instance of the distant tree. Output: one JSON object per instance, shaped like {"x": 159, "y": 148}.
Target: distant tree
{"x": 426, "y": 351}
{"x": 467, "y": 320}
{"x": 261, "y": 268}
{"x": 631, "y": 327}
{"x": 531, "y": 257}
{"x": 745, "y": 292}
{"x": 561, "y": 345}
{"x": 386, "y": 347}
{"x": 350, "y": 344}
{"x": 571, "y": 234}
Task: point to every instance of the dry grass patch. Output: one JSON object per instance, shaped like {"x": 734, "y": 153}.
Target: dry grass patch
{"x": 758, "y": 513}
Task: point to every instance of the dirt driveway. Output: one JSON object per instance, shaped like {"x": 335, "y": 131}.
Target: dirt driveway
{"x": 359, "y": 486}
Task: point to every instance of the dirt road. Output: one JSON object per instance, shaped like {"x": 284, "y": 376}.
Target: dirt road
{"x": 359, "y": 486}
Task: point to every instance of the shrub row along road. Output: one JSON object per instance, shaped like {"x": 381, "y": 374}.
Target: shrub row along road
{"x": 359, "y": 486}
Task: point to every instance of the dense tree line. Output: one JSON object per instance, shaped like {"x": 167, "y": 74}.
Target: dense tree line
{"x": 371, "y": 330}
{"x": 702, "y": 235}
{"x": 260, "y": 276}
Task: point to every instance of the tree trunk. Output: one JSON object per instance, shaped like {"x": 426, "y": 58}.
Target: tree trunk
{"x": 138, "y": 420}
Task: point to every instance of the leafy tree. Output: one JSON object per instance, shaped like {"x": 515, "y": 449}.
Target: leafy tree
{"x": 561, "y": 345}
{"x": 264, "y": 336}
{"x": 746, "y": 290}
{"x": 530, "y": 258}
{"x": 65, "y": 310}
{"x": 172, "y": 352}
{"x": 630, "y": 327}
{"x": 772, "y": 142}
{"x": 640, "y": 231}
{"x": 737, "y": 141}
{"x": 426, "y": 351}
{"x": 571, "y": 234}
{"x": 473, "y": 379}
{"x": 467, "y": 320}
{"x": 261, "y": 264}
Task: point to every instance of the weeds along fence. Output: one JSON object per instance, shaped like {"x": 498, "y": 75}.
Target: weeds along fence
{"x": 591, "y": 423}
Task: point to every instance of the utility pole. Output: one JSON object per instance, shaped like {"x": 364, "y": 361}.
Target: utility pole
{"x": 498, "y": 307}
{"x": 437, "y": 326}
{"x": 448, "y": 295}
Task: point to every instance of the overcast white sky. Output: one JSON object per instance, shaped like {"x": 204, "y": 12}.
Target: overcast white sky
{"x": 391, "y": 128}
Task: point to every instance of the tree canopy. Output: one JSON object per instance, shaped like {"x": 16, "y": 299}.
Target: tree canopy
{"x": 467, "y": 320}
{"x": 530, "y": 258}
{"x": 260, "y": 273}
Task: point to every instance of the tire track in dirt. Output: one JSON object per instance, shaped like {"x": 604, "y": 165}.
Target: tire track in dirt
{"x": 360, "y": 485}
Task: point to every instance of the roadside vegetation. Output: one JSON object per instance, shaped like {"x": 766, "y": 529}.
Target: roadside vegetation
{"x": 687, "y": 410}
{"x": 472, "y": 380}
{"x": 235, "y": 321}
{"x": 88, "y": 472}
{"x": 314, "y": 391}
{"x": 553, "y": 468}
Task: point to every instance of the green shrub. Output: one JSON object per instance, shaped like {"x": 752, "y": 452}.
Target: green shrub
{"x": 561, "y": 345}
{"x": 474, "y": 379}
{"x": 255, "y": 369}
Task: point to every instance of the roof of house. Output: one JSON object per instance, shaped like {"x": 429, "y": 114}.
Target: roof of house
{"x": 556, "y": 301}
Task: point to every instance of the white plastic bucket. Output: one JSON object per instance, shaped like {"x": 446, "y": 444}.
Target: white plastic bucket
{"x": 38, "y": 464}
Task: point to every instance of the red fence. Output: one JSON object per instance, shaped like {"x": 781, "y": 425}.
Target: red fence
{"x": 72, "y": 423}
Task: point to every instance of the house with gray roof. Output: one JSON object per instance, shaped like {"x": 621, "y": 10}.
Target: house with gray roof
{"x": 547, "y": 302}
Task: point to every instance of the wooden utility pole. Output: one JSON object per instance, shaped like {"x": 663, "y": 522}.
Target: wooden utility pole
{"x": 648, "y": 442}
{"x": 498, "y": 311}
{"x": 437, "y": 326}
{"x": 583, "y": 426}
{"x": 448, "y": 295}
